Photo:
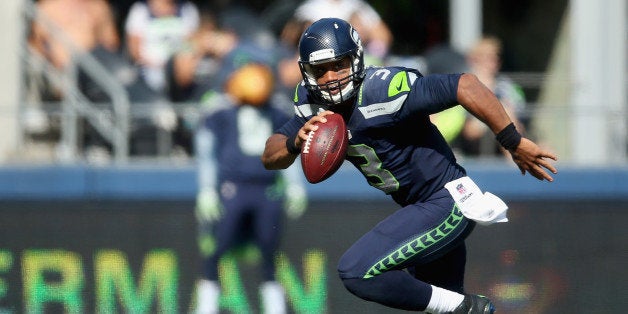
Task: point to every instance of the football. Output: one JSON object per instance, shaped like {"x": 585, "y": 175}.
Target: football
{"x": 324, "y": 151}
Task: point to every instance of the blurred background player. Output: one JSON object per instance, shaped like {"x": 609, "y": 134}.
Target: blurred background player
{"x": 236, "y": 193}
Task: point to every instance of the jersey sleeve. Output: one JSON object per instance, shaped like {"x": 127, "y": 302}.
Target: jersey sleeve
{"x": 392, "y": 94}
{"x": 434, "y": 93}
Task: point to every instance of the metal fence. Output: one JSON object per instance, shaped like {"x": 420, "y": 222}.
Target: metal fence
{"x": 112, "y": 122}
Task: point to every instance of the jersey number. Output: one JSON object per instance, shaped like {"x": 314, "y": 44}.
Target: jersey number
{"x": 371, "y": 167}
{"x": 253, "y": 130}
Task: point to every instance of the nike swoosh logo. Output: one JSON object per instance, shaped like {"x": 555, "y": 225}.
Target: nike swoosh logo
{"x": 400, "y": 85}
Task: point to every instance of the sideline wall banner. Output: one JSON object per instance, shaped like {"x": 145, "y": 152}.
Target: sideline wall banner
{"x": 80, "y": 256}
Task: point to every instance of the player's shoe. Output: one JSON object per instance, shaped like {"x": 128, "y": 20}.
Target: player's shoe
{"x": 475, "y": 304}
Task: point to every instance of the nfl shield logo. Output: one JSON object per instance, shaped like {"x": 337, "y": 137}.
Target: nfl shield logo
{"x": 461, "y": 189}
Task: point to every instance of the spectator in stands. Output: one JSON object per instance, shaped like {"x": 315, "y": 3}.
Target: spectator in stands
{"x": 484, "y": 60}
{"x": 87, "y": 24}
{"x": 63, "y": 32}
{"x": 445, "y": 59}
{"x": 66, "y": 28}
{"x": 198, "y": 74}
{"x": 238, "y": 200}
{"x": 373, "y": 31}
{"x": 156, "y": 29}
{"x": 192, "y": 72}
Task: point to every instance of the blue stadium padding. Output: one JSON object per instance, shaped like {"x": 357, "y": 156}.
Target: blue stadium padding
{"x": 143, "y": 182}
{"x": 28, "y": 182}
{"x": 158, "y": 181}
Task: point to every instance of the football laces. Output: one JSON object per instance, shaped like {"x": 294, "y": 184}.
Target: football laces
{"x": 308, "y": 142}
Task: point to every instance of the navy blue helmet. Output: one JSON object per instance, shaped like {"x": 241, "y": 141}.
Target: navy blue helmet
{"x": 330, "y": 40}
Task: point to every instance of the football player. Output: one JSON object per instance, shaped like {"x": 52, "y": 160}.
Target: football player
{"x": 238, "y": 200}
{"x": 415, "y": 258}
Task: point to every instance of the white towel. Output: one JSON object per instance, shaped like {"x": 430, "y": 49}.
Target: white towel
{"x": 484, "y": 208}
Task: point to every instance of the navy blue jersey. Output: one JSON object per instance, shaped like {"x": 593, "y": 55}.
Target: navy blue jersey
{"x": 240, "y": 133}
{"x": 391, "y": 139}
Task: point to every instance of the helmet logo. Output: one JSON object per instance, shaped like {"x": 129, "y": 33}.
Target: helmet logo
{"x": 355, "y": 37}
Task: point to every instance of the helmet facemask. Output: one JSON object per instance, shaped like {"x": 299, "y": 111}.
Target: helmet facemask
{"x": 333, "y": 92}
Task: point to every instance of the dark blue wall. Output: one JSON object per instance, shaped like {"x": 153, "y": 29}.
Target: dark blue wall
{"x": 179, "y": 183}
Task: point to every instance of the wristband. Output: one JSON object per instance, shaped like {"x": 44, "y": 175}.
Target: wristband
{"x": 509, "y": 138}
{"x": 292, "y": 148}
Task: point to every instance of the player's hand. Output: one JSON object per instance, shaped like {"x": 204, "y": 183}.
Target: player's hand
{"x": 530, "y": 158}
{"x": 311, "y": 126}
{"x": 295, "y": 201}
{"x": 208, "y": 207}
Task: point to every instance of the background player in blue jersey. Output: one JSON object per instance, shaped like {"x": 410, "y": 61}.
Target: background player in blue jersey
{"x": 238, "y": 199}
{"x": 415, "y": 258}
